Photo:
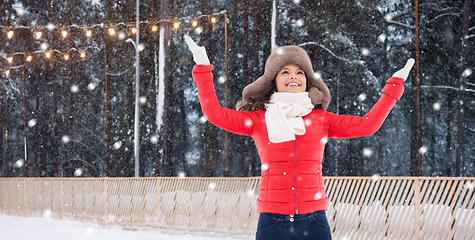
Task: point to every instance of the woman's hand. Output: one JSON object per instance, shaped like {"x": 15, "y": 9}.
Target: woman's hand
{"x": 199, "y": 53}
{"x": 403, "y": 73}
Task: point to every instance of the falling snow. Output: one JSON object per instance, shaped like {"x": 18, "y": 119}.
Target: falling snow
{"x": 65, "y": 139}
{"x": 362, "y": 97}
{"x": 467, "y": 72}
{"x": 367, "y": 152}
{"x": 264, "y": 167}
{"x": 19, "y": 163}
{"x": 78, "y": 172}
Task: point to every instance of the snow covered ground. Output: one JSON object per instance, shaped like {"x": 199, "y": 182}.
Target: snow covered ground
{"x": 21, "y": 228}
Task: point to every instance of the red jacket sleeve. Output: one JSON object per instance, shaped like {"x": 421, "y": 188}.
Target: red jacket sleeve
{"x": 340, "y": 126}
{"x": 227, "y": 119}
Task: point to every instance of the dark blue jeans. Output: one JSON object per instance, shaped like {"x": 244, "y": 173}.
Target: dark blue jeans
{"x": 293, "y": 227}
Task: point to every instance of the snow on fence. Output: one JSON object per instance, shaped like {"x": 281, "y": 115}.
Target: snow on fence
{"x": 360, "y": 207}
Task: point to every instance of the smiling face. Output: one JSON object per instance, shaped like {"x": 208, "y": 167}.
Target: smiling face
{"x": 291, "y": 78}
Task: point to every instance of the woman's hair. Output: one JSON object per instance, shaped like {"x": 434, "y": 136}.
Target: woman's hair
{"x": 260, "y": 102}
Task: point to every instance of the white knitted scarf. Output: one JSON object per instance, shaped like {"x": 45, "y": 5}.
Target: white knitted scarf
{"x": 284, "y": 115}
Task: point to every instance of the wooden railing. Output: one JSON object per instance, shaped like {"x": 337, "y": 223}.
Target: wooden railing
{"x": 360, "y": 207}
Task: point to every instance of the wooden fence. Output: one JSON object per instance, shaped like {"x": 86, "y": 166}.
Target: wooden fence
{"x": 360, "y": 207}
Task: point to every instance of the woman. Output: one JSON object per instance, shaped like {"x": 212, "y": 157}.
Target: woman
{"x": 284, "y": 112}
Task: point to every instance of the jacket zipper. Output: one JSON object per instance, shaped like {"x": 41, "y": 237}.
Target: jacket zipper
{"x": 295, "y": 178}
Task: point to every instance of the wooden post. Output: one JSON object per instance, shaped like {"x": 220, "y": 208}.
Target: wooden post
{"x": 226, "y": 170}
{"x": 418, "y": 93}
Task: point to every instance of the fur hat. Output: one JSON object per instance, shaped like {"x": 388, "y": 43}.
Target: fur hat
{"x": 281, "y": 56}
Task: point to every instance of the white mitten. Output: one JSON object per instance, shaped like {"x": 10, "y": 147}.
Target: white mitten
{"x": 199, "y": 53}
{"x": 403, "y": 73}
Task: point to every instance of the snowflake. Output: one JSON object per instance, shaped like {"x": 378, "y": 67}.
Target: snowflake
{"x": 299, "y": 23}
{"x": 467, "y": 72}
{"x": 423, "y": 150}
{"x": 221, "y": 80}
{"x": 362, "y": 97}
{"x": 308, "y": 122}
{"x": 50, "y": 26}
{"x": 32, "y": 123}
{"x": 20, "y": 11}
{"x": 65, "y": 139}
{"x": 89, "y": 231}
{"x": 212, "y": 186}
{"x": 47, "y": 213}
{"x": 367, "y": 152}
{"x": 198, "y": 30}
{"x": 317, "y": 75}
{"x": 264, "y": 167}
{"x": 143, "y": 100}
{"x": 248, "y": 123}
{"x": 117, "y": 145}
{"x": 78, "y": 172}
{"x": 318, "y": 196}
{"x": 91, "y": 86}
{"x": 19, "y": 163}
{"x": 250, "y": 192}
{"x": 388, "y": 17}
{"x": 365, "y": 52}
{"x": 74, "y": 88}
{"x": 121, "y": 35}
{"x": 44, "y": 46}
{"x": 376, "y": 177}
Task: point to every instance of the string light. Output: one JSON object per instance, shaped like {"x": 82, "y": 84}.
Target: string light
{"x": 111, "y": 30}
{"x": 64, "y": 33}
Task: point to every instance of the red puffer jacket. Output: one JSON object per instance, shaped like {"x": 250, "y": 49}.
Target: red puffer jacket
{"x": 292, "y": 181}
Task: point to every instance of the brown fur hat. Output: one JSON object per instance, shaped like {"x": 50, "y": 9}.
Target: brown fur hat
{"x": 281, "y": 56}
